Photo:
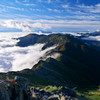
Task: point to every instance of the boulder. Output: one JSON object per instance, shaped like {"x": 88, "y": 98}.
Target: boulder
{"x": 4, "y": 95}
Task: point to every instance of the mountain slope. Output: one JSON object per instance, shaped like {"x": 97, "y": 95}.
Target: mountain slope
{"x": 77, "y": 64}
{"x": 92, "y": 39}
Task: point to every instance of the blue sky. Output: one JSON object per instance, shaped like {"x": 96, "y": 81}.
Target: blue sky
{"x": 49, "y": 15}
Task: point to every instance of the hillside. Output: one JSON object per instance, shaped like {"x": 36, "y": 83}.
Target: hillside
{"x": 77, "y": 64}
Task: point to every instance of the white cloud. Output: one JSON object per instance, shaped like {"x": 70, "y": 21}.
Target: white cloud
{"x": 82, "y": 17}
{"x": 22, "y": 61}
{"x": 25, "y": 25}
{"x": 15, "y": 8}
{"x": 59, "y": 23}
{"x": 27, "y": 4}
{"x": 38, "y": 25}
{"x": 97, "y": 5}
{"x": 11, "y": 7}
{"x": 95, "y": 38}
{"x": 91, "y": 9}
{"x": 54, "y": 10}
{"x": 26, "y": 0}
{"x": 32, "y": 9}
{"x": 46, "y": 1}
{"x": 85, "y": 17}
{"x": 20, "y": 2}
{"x": 65, "y": 6}
{"x": 14, "y": 58}
{"x": 16, "y": 1}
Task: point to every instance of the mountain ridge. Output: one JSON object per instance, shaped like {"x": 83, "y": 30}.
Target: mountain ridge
{"x": 75, "y": 55}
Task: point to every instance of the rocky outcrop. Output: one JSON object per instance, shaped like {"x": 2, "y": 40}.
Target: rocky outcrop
{"x": 4, "y": 94}
{"x": 63, "y": 94}
{"x": 16, "y": 89}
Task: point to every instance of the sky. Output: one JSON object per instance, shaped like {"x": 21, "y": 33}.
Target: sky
{"x": 49, "y": 15}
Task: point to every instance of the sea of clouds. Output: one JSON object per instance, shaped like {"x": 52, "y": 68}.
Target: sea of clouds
{"x": 94, "y": 38}
{"x": 15, "y": 58}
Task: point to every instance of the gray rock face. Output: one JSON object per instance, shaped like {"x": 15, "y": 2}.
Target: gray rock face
{"x": 14, "y": 89}
{"x": 4, "y": 95}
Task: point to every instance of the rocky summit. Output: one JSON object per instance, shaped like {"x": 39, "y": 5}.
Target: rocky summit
{"x": 17, "y": 89}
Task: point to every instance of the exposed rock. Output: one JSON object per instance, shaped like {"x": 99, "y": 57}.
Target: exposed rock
{"x": 67, "y": 91}
{"x": 16, "y": 89}
{"x": 4, "y": 95}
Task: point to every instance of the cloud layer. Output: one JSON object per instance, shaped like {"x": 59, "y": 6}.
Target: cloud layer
{"x": 95, "y": 38}
{"x": 14, "y": 58}
{"x": 48, "y": 25}
{"x": 24, "y": 25}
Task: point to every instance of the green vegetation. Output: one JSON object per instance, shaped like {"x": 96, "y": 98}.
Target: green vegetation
{"x": 90, "y": 94}
{"x": 93, "y": 94}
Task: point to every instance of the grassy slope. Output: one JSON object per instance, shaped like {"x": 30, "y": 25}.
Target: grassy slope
{"x": 93, "y": 94}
